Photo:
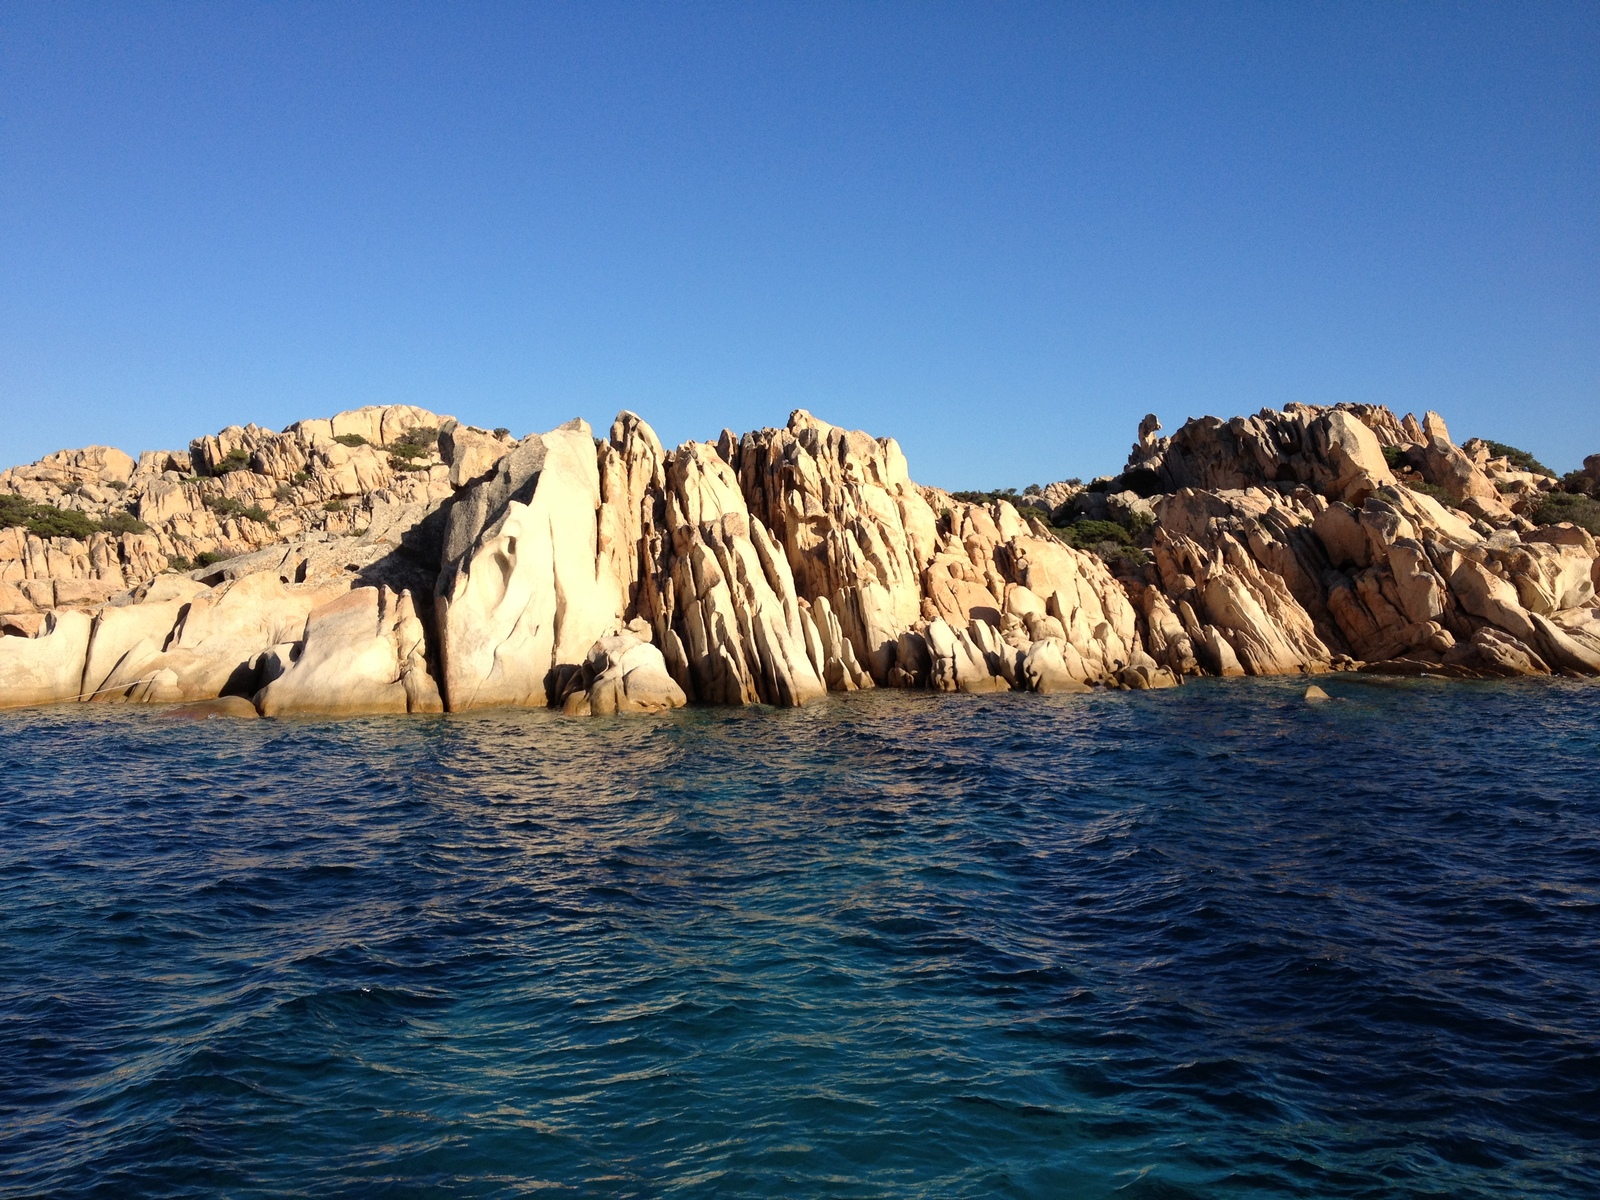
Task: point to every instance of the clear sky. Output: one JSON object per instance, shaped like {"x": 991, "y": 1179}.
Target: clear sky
{"x": 999, "y": 232}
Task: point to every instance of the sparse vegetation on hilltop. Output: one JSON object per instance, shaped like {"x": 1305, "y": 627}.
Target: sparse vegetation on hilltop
{"x": 47, "y": 521}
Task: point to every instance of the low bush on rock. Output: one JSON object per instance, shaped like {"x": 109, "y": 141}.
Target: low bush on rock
{"x": 227, "y": 506}
{"x": 124, "y": 522}
{"x": 1431, "y": 489}
{"x": 1086, "y": 534}
{"x": 1141, "y": 481}
{"x": 1113, "y": 543}
{"x": 47, "y": 521}
{"x": 1579, "y": 483}
{"x": 234, "y": 460}
{"x": 351, "y": 439}
{"x": 1520, "y": 459}
{"x": 1556, "y": 507}
{"x": 410, "y": 447}
{"x": 1009, "y": 495}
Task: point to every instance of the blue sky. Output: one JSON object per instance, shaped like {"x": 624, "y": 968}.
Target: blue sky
{"x": 999, "y": 232}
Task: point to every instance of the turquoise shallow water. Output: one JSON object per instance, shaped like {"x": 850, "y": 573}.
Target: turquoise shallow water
{"x": 1209, "y": 942}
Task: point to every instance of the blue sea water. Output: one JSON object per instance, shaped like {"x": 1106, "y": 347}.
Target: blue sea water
{"x": 1215, "y": 941}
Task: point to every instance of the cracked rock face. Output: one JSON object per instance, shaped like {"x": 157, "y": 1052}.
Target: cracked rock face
{"x": 363, "y": 652}
{"x": 520, "y": 592}
{"x": 401, "y": 574}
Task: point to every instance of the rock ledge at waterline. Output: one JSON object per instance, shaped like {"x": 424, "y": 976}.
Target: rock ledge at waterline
{"x": 389, "y": 560}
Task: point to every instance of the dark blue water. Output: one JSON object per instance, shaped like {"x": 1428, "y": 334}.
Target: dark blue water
{"x": 1212, "y": 942}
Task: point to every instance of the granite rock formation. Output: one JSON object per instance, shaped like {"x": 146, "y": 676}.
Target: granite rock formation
{"x": 391, "y": 560}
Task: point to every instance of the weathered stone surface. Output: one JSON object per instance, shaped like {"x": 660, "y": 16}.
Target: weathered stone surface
{"x": 469, "y": 452}
{"x": 853, "y": 527}
{"x": 1044, "y": 668}
{"x": 222, "y": 708}
{"x": 623, "y": 673}
{"x": 958, "y": 663}
{"x": 725, "y": 587}
{"x": 48, "y": 668}
{"x": 518, "y": 595}
{"x": 147, "y": 623}
{"x": 363, "y": 652}
{"x": 774, "y": 567}
{"x": 214, "y": 647}
{"x": 1330, "y": 450}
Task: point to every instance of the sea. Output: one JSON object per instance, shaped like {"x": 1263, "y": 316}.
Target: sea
{"x": 1214, "y": 941}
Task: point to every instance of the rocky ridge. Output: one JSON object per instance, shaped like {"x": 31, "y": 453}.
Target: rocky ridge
{"x": 391, "y": 560}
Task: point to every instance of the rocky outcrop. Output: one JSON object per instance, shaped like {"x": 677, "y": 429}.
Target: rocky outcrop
{"x": 364, "y": 652}
{"x": 231, "y": 493}
{"x": 623, "y": 673}
{"x": 724, "y": 591}
{"x": 1332, "y": 451}
{"x": 519, "y": 594}
{"x": 48, "y": 668}
{"x": 387, "y": 560}
{"x": 1311, "y": 573}
{"x": 215, "y": 645}
{"x": 854, "y": 529}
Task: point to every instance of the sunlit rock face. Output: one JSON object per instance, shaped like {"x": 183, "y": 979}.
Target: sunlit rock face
{"x": 364, "y": 652}
{"x": 396, "y": 561}
{"x": 48, "y": 668}
{"x": 521, "y": 591}
{"x": 726, "y": 591}
{"x": 855, "y": 530}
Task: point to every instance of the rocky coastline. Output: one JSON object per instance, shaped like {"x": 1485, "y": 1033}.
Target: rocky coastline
{"x": 392, "y": 560}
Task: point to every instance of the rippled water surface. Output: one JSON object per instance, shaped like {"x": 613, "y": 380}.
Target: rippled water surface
{"x": 1210, "y": 942}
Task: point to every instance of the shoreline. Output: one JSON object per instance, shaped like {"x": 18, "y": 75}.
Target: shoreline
{"x": 392, "y": 560}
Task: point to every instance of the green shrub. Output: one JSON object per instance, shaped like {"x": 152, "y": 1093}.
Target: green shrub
{"x": 502, "y": 432}
{"x": 414, "y": 443}
{"x": 237, "y": 459}
{"x": 1008, "y": 494}
{"x": 1395, "y": 456}
{"x": 1556, "y": 507}
{"x": 1520, "y": 459}
{"x": 1434, "y": 490}
{"x": 351, "y": 439}
{"x": 301, "y": 478}
{"x": 227, "y": 506}
{"x": 1111, "y": 554}
{"x": 335, "y": 506}
{"x": 1087, "y": 535}
{"x": 117, "y": 485}
{"x": 179, "y": 564}
{"x": 124, "y": 522}
{"x": 210, "y": 558}
{"x": 44, "y": 520}
{"x": 1141, "y": 481}
{"x": 1579, "y": 483}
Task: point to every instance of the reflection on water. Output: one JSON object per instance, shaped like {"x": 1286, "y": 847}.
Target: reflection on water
{"x": 1207, "y": 942}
